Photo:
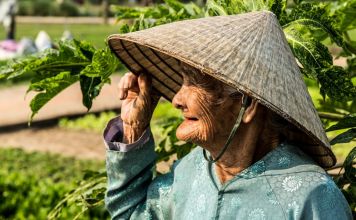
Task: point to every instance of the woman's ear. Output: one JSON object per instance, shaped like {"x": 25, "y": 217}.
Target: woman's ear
{"x": 250, "y": 111}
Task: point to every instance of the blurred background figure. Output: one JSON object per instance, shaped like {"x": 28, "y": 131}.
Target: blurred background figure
{"x": 43, "y": 41}
{"x": 8, "y": 47}
{"x": 7, "y": 17}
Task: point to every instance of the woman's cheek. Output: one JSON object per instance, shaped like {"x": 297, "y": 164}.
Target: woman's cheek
{"x": 185, "y": 132}
{"x": 207, "y": 130}
{"x": 197, "y": 132}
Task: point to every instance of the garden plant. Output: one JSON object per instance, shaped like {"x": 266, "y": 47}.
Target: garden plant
{"x": 309, "y": 27}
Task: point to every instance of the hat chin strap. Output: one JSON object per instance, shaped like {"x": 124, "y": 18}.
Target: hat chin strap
{"x": 232, "y": 133}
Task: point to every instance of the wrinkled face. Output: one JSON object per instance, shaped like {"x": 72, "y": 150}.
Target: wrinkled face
{"x": 208, "y": 109}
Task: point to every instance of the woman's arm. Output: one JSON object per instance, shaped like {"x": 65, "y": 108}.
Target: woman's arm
{"x": 130, "y": 155}
{"x": 131, "y": 193}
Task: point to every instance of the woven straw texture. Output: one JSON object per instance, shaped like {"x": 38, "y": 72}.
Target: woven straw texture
{"x": 247, "y": 51}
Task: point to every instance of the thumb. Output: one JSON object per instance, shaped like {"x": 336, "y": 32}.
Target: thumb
{"x": 145, "y": 84}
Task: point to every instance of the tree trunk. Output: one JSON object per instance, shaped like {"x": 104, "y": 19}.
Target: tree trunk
{"x": 105, "y": 4}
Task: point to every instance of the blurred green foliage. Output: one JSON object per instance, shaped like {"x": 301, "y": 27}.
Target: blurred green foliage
{"x": 47, "y": 8}
{"x": 31, "y": 184}
{"x": 89, "y": 122}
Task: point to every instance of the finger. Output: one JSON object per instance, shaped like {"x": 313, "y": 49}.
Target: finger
{"x": 124, "y": 85}
{"x": 121, "y": 88}
{"x": 144, "y": 84}
{"x": 130, "y": 84}
{"x": 132, "y": 81}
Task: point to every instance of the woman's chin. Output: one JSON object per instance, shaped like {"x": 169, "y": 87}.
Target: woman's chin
{"x": 187, "y": 131}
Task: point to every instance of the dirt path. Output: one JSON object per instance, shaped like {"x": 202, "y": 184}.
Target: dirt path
{"x": 78, "y": 144}
{"x": 14, "y": 106}
{"x": 15, "y": 110}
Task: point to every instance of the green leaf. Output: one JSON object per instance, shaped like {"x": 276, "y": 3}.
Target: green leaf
{"x": 86, "y": 48}
{"x": 124, "y": 12}
{"x": 345, "y": 11}
{"x": 348, "y": 121}
{"x": 94, "y": 76}
{"x": 351, "y": 66}
{"x": 103, "y": 64}
{"x": 55, "y": 69}
{"x": 146, "y": 17}
{"x": 214, "y": 9}
{"x": 350, "y": 171}
{"x": 278, "y": 7}
{"x": 70, "y": 56}
{"x": 336, "y": 84}
{"x": 310, "y": 53}
{"x": 315, "y": 17}
{"x": 124, "y": 29}
{"x": 5, "y": 71}
{"x": 51, "y": 87}
{"x": 345, "y": 137}
{"x": 91, "y": 87}
{"x": 175, "y": 5}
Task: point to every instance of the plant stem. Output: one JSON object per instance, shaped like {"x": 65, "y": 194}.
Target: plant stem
{"x": 331, "y": 116}
{"x": 339, "y": 165}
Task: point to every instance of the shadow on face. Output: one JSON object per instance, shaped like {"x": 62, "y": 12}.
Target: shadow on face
{"x": 209, "y": 107}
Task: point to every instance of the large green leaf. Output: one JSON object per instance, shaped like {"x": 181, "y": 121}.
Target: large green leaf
{"x": 315, "y": 17}
{"x": 345, "y": 12}
{"x": 91, "y": 87}
{"x": 70, "y": 56}
{"x": 146, "y": 17}
{"x": 124, "y": 12}
{"x": 95, "y": 75}
{"x": 103, "y": 64}
{"x": 350, "y": 171}
{"x": 310, "y": 53}
{"x": 351, "y": 66}
{"x": 345, "y": 137}
{"x": 231, "y": 7}
{"x": 278, "y": 7}
{"x": 348, "y": 121}
{"x": 214, "y": 9}
{"x": 56, "y": 69}
{"x": 336, "y": 84}
{"x": 50, "y": 87}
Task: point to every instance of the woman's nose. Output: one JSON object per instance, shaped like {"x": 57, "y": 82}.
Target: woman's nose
{"x": 178, "y": 100}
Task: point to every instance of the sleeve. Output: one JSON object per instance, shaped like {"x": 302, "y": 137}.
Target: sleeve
{"x": 113, "y": 134}
{"x": 131, "y": 192}
{"x": 326, "y": 202}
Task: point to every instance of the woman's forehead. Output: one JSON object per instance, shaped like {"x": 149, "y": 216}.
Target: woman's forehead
{"x": 192, "y": 74}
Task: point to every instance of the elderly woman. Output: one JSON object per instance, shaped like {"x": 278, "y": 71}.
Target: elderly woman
{"x": 261, "y": 143}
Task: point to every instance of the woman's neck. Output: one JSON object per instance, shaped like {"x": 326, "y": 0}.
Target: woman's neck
{"x": 249, "y": 145}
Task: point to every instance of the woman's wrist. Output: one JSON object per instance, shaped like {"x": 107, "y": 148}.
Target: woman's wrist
{"x": 132, "y": 133}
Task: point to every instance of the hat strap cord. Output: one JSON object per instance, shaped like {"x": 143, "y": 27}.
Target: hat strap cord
{"x": 232, "y": 133}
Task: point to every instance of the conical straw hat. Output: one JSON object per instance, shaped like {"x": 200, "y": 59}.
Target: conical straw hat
{"x": 248, "y": 52}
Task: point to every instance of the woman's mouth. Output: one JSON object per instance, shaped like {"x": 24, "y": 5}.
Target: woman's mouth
{"x": 190, "y": 118}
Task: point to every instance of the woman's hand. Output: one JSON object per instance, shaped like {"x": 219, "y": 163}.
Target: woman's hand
{"x": 138, "y": 104}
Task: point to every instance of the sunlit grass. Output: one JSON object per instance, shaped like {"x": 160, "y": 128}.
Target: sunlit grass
{"x": 94, "y": 33}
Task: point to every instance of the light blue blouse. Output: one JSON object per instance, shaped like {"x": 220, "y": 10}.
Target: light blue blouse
{"x": 284, "y": 184}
